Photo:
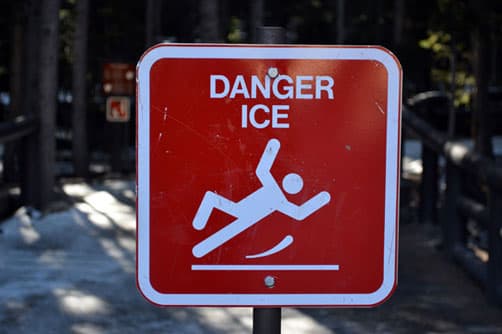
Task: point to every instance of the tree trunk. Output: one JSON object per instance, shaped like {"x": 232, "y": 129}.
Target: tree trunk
{"x": 209, "y": 21}
{"x": 452, "y": 117}
{"x": 256, "y": 20}
{"x": 16, "y": 64}
{"x": 31, "y": 58}
{"x": 379, "y": 26}
{"x": 30, "y": 182}
{"x": 340, "y": 21}
{"x": 11, "y": 166}
{"x": 399, "y": 13}
{"x": 48, "y": 74}
{"x": 481, "y": 121}
{"x": 152, "y": 21}
{"x": 79, "y": 121}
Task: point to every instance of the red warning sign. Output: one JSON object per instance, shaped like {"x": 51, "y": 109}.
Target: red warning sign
{"x": 268, "y": 175}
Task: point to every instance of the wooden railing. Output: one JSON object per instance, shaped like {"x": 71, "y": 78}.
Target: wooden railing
{"x": 473, "y": 195}
{"x": 18, "y": 138}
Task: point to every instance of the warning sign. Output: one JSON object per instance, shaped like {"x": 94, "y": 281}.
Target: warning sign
{"x": 268, "y": 175}
{"x": 118, "y": 109}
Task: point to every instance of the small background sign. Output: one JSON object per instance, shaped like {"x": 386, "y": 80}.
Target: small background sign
{"x": 118, "y": 109}
{"x": 119, "y": 79}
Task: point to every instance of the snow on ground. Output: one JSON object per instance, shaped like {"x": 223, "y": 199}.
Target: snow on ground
{"x": 412, "y": 155}
{"x": 73, "y": 271}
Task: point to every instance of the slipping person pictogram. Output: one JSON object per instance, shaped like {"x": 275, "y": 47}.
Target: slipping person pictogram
{"x": 257, "y": 205}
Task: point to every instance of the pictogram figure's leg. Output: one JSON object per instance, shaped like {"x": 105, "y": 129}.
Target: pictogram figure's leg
{"x": 209, "y": 202}
{"x": 217, "y": 239}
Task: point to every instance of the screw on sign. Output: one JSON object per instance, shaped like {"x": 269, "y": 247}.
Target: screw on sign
{"x": 268, "y": 175}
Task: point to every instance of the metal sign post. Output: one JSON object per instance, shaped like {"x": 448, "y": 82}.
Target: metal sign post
{"x": 268, "y": 320}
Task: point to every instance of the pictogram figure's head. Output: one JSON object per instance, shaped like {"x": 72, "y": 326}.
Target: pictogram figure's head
{"x": 292, "y": 183}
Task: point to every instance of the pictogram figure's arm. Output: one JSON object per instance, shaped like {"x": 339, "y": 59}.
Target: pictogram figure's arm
{"x": 300, "y": 212}
{"x": 266, "y": 161}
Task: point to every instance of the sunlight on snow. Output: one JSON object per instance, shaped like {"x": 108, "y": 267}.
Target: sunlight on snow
{"x": 79, "y": 303}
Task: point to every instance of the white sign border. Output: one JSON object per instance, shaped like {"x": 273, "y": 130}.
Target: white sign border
{"x": 393, "y": 112}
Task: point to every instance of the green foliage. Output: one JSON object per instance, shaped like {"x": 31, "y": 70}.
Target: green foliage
{"x": 438, "y": 42}
{"x": 464, "y": 83}
{"x": 442, "y": 46}
{"x": 67, "y": 29}
{"x": 235, "y": 34}
{"x": 441, "y": 27}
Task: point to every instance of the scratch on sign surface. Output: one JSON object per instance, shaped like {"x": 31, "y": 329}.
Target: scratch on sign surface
{"x": 198, "y": 134}
{"x": 380, "y": 108}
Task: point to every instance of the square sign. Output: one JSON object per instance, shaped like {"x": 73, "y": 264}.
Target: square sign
{"x": 268, "y": 175}
{"x": 118, "y": 79}
{"x": 118, "y": 108}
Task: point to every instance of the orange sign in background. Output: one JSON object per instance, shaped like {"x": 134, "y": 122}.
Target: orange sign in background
{"x": 119, "y": 79}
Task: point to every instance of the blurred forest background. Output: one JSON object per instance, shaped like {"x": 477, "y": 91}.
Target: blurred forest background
{"x": 54, "y": 54}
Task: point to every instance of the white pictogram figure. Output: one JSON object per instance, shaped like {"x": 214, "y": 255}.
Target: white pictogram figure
{"x": 256, "y": 206}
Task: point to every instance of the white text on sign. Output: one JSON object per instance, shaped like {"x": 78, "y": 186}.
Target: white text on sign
{"x": 282, "y": 87}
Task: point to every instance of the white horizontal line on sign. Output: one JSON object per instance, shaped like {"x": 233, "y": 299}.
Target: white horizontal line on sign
{"x": 250, "y": 267}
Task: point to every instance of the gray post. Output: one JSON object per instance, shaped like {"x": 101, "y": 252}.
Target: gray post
{"x": 79, "y": 87}
{"x": 271, "y": 35}
{"x": 268, "y": 320}
{"x": 494, "y": 282}
{"x": 209, "y": 30}
{"x": 11, "y": 172}
{"x": 429, "y": 185}
{"x": 48, "y": 74}
{"x": 29, "y": 157}
{"x": 256, "y": 19}
{"x": 340, "y": 21}
{"x": 453, "y": 229}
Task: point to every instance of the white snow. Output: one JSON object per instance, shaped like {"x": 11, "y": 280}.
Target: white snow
{"x": 73, "y": 271}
